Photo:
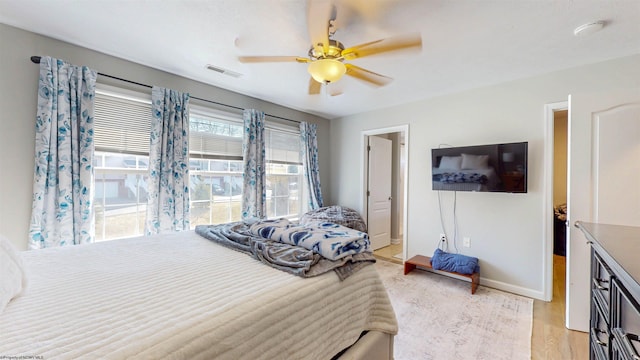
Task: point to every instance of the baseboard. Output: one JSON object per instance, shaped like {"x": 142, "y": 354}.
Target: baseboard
{"x": 518, "y": 290}
{"x": 396, "y": 241}
{"x": 498, "y": 285}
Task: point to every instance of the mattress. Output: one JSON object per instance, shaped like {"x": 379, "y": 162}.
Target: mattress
{"x": 180, "y": 296}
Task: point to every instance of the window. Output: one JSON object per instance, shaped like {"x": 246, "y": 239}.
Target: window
{"x": 121, "y": 138}
{"x": 284, "y": 172}
{"x": 122, "y": 125}
{"x": 215, "y": 147}
{"x": 120, "y": 195}
{"x": 215, "y": 151}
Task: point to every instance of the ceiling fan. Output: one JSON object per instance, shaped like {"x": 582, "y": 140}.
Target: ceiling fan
{"x": 326, "y": 57}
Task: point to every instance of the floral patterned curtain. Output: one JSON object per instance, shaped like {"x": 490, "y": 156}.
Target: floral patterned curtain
{"x": 63, "y": 174}
{"x": 254, "y": 198}
{"x": 168, "y": 203}
{"x": 310, "y": 164}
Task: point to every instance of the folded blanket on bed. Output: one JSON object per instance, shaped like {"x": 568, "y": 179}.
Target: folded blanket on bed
{"x": 454, "y": 262}
{"x": 286, "y": 257}
{"x": 270, "y": 229}
{"x": 330, "y": 240}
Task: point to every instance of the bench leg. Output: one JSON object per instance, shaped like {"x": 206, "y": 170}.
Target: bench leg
{"x": 475, "y": 281}
{"x": 408, "y": 267}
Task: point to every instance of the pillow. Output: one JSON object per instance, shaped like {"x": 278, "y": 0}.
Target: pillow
{"x": 450, "y": 162}
{"x": 472, "y": 162}
{"x": 13, "y": 279}
{"x": 454, "y": 262}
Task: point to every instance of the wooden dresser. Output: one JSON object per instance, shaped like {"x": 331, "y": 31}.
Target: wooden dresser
{"x": 615, "y": 290}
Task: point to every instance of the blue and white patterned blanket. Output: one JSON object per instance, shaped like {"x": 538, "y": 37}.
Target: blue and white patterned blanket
{"x": 330, "y": 240}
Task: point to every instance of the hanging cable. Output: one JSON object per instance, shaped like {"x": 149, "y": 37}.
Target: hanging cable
{"x": 442, "y": 245}
{"x": 455, "y": 222}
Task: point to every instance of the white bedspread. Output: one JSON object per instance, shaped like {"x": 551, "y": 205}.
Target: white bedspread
{"x": 180, "y": 296}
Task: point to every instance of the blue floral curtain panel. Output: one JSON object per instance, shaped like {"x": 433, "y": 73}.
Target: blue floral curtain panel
{"x": 168, "y": 203}
{"x": 63, "y": 173}
{"x": 310, "y": 164}
{"x": 254, "y": 198}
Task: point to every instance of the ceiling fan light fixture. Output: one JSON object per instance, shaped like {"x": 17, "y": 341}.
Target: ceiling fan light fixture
{"x": 326, "y": 70}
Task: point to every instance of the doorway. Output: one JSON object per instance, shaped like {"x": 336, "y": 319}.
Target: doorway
{"x": 557, "y": 156}
{"x": 395, "y": 247}
{"x": 560, "y": 169}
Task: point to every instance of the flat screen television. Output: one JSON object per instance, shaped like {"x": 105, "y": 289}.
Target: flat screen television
{"x": 482, "y": 168}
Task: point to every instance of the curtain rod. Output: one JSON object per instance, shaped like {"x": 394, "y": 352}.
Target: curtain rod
{"x": 36, "y": 60}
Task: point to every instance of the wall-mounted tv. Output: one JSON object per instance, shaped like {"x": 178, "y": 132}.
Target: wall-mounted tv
{"x": 490, "y": 168}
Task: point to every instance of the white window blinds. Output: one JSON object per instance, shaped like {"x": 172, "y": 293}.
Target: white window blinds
{"x": 282, "y": 146}
{"x": 121, "y": 123}
{"x": 214, "y": 137}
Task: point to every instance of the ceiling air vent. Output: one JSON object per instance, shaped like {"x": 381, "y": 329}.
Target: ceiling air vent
{"x": 224, "y": 71}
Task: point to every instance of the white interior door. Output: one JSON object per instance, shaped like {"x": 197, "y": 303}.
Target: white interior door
{"x": 604, "y": 153}
{"x": 616, "y": 161}
{"x": 379, "y": 185}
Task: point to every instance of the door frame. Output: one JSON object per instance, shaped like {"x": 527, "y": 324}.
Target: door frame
{"x": 547, "y": 201}
{"x": 364, "y": 136}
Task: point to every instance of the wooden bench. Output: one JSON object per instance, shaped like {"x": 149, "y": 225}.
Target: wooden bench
{"x": 425, "y": 262}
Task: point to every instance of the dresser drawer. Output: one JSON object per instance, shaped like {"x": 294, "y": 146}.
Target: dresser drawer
{"x": 601, "y": 283}
{"x": 599, "y": 334}
{"x": 617, "y": 353}
{"x": 625, "y": 322}
{"x": 625, "y": 346}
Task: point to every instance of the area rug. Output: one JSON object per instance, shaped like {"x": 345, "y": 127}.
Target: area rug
{"x": 439, "y": 319}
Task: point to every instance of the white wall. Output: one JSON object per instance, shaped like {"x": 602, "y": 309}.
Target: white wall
{"x": 18, "y": 90}
{"x": 505, "y": 229}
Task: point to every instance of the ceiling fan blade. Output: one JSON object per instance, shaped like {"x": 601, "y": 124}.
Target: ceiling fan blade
{"x": 314, "y": 87}
{"x": 367, "y": 76}
{"x": 403, "y": 42}
{"x": 360, "y": 12}
{"x": 319, "y": 13}
{"x": 255, "y": 59}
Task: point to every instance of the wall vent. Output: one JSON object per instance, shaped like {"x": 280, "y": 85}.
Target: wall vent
{"x": 224, "y": 71}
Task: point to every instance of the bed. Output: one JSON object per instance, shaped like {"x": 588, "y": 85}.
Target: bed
{"x": 181, "y": 296}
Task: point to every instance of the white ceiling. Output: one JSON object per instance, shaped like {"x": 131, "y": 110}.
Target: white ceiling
{"x": 466, "y": 43}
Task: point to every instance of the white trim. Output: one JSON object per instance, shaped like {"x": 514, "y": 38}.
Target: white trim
{"x": 494, "y": 284}
{"x": 396, "y": 241}
{"x": 518, "y": 290}
{"x": 547, "y": 200}
{"x": 363, "y": 178}
{"x": 595, "y": 164}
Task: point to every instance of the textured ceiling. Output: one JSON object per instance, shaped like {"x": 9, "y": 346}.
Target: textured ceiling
{"x": 466, "y": 43}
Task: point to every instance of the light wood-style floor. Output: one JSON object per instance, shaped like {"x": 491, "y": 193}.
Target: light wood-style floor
{"x": 550, "y": 338}
{"x": 388, "y": 252}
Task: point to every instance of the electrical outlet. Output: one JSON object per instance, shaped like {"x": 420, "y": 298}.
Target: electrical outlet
{"x": 443, "y": 237}
{"x": 466, "y": 242}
